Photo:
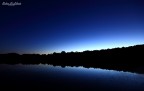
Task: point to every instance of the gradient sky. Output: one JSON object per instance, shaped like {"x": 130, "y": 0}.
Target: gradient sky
{"x": 47, "y": 26}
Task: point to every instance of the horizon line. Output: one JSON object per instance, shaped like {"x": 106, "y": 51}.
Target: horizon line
{"x": 74, "y": 51}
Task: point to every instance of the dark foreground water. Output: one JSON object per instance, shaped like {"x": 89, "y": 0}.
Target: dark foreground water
{"x": 50, "y": 78}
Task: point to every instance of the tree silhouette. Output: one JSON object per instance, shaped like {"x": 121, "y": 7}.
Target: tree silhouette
{"x": 125, "y": 58}
{"x": 63, "y": 52}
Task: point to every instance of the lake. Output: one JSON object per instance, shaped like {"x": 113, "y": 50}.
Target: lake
{"x": 48, "y": 77}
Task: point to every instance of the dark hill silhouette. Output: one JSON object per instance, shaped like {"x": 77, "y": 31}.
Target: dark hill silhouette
{"x": 126, "y": 58}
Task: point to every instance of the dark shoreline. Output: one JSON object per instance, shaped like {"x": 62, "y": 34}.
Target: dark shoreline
{"x": 121, "y": 59}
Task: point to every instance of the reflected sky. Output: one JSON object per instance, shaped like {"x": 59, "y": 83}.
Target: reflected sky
{"x": 73, "y": 76}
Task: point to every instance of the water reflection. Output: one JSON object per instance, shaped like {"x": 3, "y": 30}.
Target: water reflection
{"x": 69, "y": 78}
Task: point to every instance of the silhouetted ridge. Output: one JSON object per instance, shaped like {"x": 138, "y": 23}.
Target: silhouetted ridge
{"x": 125, "y": 58}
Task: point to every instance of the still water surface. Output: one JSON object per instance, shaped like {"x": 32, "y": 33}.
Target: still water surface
{"x": 69, "y": 78}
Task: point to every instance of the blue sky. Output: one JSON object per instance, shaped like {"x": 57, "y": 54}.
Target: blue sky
{"x": 71, "y": 25}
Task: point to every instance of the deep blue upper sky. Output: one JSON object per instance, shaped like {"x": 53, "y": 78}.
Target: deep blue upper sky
{"x": 47, "y": 26}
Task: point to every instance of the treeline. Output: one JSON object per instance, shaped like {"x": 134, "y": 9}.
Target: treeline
{"x": 118, "y": 58}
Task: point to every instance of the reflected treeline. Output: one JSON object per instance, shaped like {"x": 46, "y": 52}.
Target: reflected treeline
{"x": 125, "y": 58}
